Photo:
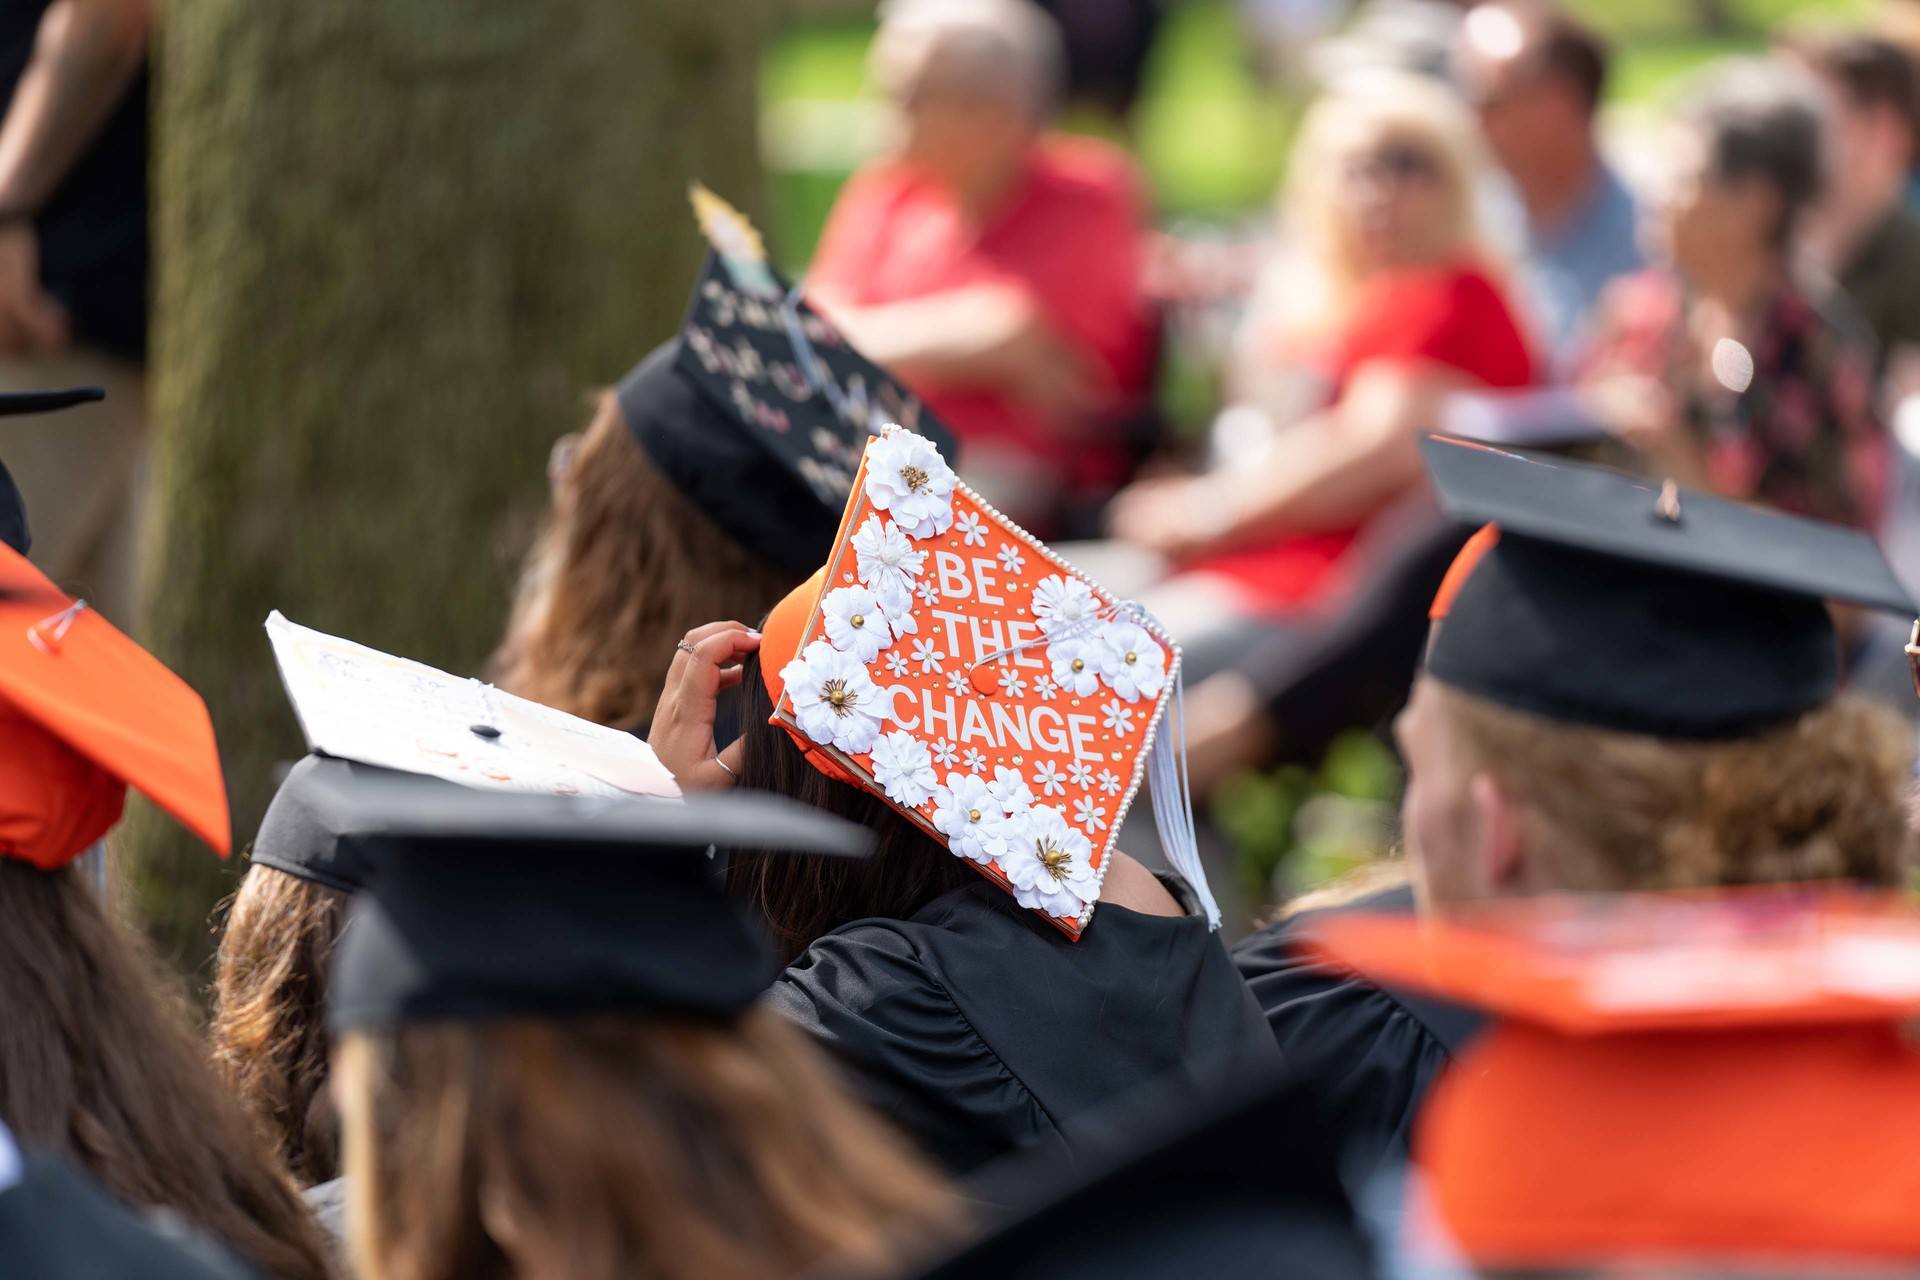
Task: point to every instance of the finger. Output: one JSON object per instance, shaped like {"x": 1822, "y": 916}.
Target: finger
{"x": 717, "y": 652}
{"x": 701, "y": 632}
{"x": 735, "y": 756}
{"x": 684, "y": 653}
{"x": 731, "y": 676}
{"x": 45, "y": 322}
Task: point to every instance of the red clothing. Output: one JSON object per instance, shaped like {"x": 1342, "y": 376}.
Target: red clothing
{"x": 1072, "y": 236}
{"x": 1452, "y": 316}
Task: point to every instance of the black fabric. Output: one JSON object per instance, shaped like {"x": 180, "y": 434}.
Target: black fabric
{"x": 13, "y": 514}
{"x": 1366, "y": 1055}
{"x": 305, "y": 836}
{"x": 1240, "y": 1186}
{"x": 485, "y": 904}
{"x": 93, "y": 228}
{"x": 56, "y": 1225}
{"x": 14, "y": 530}
{"x": 736, "y": 482}
{"x": 981, "y": 1030}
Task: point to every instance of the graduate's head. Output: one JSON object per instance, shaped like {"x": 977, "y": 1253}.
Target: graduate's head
{"x": 1627, "y": 688}
{"x": 552, "y": 1058}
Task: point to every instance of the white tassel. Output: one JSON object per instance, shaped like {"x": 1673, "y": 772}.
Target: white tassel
{"x": 1173, "y": 801}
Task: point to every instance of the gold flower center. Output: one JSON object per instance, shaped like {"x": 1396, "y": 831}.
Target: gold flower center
{"x": 859, "y": 620}
{"x": 1055, "y": 860}
{"x": 837, "y": 696}
{"x": 973, "y": 815}
{"x": 1079, "y": 665}
{"x": 1132, "y": 658}
{"x": 916, "y": 478}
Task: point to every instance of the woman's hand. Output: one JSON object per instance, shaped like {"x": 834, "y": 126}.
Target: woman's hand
{"x": 1177, "y": 516}
{"x": 706, "y": 661}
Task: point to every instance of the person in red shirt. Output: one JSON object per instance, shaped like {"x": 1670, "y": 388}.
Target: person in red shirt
{"x": 994, "y": 267}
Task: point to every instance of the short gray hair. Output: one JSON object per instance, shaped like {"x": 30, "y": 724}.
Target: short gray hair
{"x": 995, "y": 50}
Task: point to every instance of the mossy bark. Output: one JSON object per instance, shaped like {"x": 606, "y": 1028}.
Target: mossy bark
{"x": 397, "y": 244}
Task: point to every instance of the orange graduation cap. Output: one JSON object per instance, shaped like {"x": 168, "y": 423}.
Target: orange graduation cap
{"x": 1715, "y": 1077}
{"x": 88, "y": 713}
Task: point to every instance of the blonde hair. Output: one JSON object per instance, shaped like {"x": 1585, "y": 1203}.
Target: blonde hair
{"x": 1360, "y": 112}
{"x": 604, "y": 1148}
{"x": 1824, "y": 797}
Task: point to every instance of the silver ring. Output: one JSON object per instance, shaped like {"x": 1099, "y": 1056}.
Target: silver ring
{"x": 684, "y": 647}
{"x": 726, "y": 769}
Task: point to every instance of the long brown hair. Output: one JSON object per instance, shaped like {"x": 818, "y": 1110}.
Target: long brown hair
{"x": 96, "y": 1064}
{"x": 269, "y": 1036}
{"x": 611, "y": 1147}
{"x": 625, "y": 567}
{"x": 801, "y": 896}
{"x": 1824, "y": 797}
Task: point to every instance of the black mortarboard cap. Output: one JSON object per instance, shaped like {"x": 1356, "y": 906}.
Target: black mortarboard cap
{"x": 1241, "y": 1185}
{"x": 486, "y": 904}
{"x": 305, "y": 835}
{"x": 1611, "y": 602}
{"x": 13, "y": 511}
{"x": 57, "y": 1225}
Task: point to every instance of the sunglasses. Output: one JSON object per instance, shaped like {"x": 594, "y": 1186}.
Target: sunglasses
{"x": 1393, "y": 162}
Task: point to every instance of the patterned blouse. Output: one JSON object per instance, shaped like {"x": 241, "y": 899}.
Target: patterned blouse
{"x": 1802, "y": 435}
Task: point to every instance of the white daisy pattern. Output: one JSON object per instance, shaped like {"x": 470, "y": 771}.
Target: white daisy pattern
{"x": 897, "y": 663}
{"x": 974, "y": 760}
{"x": 888, "y": 562}
{"x": 834, "y": 699}
{"x": 1010, "y": 558}
{"x": 1010, "y": 789}
{"x": 1109, "y": 782}
{"x": 1012, "y": 683}
{"x": 1047, "y": 777}
{"x": 1131, "y": 661}
{"x": 972, "y": 530}
{"x": 1062, "y": 604}
{"x": 900, "y": 619}
{"x": 909, "y": 480}
{"x": 1074, "y": 664}
{"x": 928, "y": 654}
{"x": 1117, "y": 716}
{"x": 903, "y": 767}
{"x": 1049, "y": 864}
{"x": 958, "y": 682}
{"x": 1090, "y": 815}
{"x": 854, "y": 622}
{"x": 966, "y": 813}
{"x": 1079, "y": 775}
{"x": 1044, "y": 687}
{"x": 945, "y": 753}
{"x": 927, "y": 592}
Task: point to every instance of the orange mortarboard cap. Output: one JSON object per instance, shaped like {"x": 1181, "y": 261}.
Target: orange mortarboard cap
{"x": 67, "y": 670}
{"x": 1718, "y": 1076}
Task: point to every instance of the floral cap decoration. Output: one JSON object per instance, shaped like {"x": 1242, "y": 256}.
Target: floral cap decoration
{"x": 947, "y": 660}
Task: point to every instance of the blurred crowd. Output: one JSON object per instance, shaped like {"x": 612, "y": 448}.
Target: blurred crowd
{"x": 1584, "y": 467}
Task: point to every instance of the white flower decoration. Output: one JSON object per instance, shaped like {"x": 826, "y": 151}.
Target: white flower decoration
{"x": 1047, "y": 778}
{"x": 958, "y": 682}
{"x": 1074, "y": 664}
{"x": 1116, "y": 716}
{"x": 897, "y": 663}
{"x": 927, "y": 656}
{"x": 1089, "y": 815}
{"x": 1109, "y": 782}
{"x": 900, "y": 619}
{"x": 855, "y": 622}
{"x": 1044, "y": 686}
{"x": 973, "y": 530}
{"x": 834, "y": 699}
{"x": 974, "y": 760}
{"x": 945, "y": 753}
{"x": 1131, "y": 661}
{"x": 928, "y": 593}
{"x": 887, "y": 561}
{"x": 909, "y": 480}
{"x": 1010, "y": 558}
{"x": 1062, "y": 604}
{"x": 1012, "y": 683}
{"x": 1079, "y": 775}
{"x": 1049, "y": 864}
{"x": 903, "y": 767}
{"x": 1010, "y": 789}
{"x": 966, "y": 813}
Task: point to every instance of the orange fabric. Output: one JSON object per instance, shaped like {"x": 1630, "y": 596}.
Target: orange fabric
{"x": 113, "y": 704}
{"x": 1475, "y": 549}
{"x": 1541, "y": 1150}
{"x": 780, "y": 643}
{"x": 54, "y": 803}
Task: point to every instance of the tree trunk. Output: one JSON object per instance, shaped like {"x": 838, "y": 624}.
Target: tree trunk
{"x": 397, "y": 246}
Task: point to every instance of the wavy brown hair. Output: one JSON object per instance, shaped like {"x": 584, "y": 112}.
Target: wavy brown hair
{"x": 610, "y": 1147}
{"x": 269, "y": 1035}
{"x": 625, "y": 567}
{"x": 97, "y": 1065}
{"x": 1824, "y": 797}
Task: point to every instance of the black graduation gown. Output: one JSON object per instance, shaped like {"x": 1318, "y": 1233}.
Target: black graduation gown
{"x": 980, "y": 1029}
{"x": 57, "y": 1225}
{"x": 1369, "y": 1054}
